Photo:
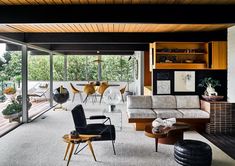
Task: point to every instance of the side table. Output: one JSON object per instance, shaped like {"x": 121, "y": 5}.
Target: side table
{"x": 115, "y": 116}
{"x": 71, "y": 141}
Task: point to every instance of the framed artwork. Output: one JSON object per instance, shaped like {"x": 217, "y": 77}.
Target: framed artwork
{"x": 163, "y": 87}
{"x": 184, "y": 81}
{"x": 163, "y": 75}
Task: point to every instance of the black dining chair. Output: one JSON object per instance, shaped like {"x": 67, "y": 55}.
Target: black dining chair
{"x": 106, "y": 131}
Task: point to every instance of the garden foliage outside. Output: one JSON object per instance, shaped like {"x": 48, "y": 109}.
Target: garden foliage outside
{"x": 79, "y": 68}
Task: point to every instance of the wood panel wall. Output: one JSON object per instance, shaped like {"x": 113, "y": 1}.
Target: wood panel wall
{"x": 147, "y": 73}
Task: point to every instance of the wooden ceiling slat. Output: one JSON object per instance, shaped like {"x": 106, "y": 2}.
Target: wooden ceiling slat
{"x": 106, "y": 27}
{"x": 127, "y": 27}
{"x": 8, "y": 2}
{"x": 89, "y": 27}
{"x": 51, "y": 27}
{"x": 126, "y": 1}
{"x": 110, "y": 1}
{"x": 141, "y": 27}
{"x": 77, "y": 27}
{"x": 122, "y": 27}
{"x": 6, "y": 28}
{"x": 94, "y": 27}
{"x": 84, "y": 27}
{"x": 34, "y": 2}
{"x": 100, "y": 27}
{"x": 40, "y": 28}
{"x": 23, "y": 28}
{"x": 70, "y": 26}
{"x": 54, "y": 2}
{"x": 45, "y": 28}
{"x": 83, "y": 1}
{"x": 67, "y": 27}
{"x": 40, "y": 2}
{"x": 66, "y": 2}
{"x": 49, "y": 2}
{"x": 110, "y": 27}
{"x": 61, "y": 28}
{"x": 115, "y": 27}
{"x": 135, "y": 1}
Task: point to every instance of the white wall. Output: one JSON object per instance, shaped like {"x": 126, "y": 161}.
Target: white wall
{"x": 231, "y": 64}
{"x": 139, "y": 82}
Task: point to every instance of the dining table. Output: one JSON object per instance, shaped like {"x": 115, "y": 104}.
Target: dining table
{"x": 83, "y": 84}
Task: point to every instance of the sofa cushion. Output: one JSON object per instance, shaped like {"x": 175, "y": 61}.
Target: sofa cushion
{"x": 194, "y": 113}
{"x": 163, "y": 101}
{"x": 188, "y": 101}
{"x": 139, "y": 102}
{"x": 141, "y": 113}
{"x": 168, "y": 113}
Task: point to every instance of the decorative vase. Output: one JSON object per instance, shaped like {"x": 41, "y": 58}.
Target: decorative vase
{"x": 14, "y": 116}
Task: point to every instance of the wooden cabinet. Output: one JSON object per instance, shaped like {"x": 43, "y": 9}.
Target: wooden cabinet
{"x": 179, "y": 55}
{"x": 218, "y": 54}
{"x": 151, "y": 57}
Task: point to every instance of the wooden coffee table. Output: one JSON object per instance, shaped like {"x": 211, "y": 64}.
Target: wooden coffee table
{"x": 168, "y": 135}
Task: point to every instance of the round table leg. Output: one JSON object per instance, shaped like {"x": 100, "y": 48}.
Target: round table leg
{"x": 156, "y": 143}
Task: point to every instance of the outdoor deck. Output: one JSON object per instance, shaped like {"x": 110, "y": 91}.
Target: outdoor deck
{"x": 36, "y": 108}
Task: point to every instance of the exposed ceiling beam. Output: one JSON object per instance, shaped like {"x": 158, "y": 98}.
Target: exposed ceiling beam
{"x": 114, "y": 38}
{"x": 187, "y": 14}
{"x": 89, "y": 47}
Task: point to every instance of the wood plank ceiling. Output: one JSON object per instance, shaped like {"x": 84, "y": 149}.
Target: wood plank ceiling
{"x": 60, "y": 2}
{"x": 109, "y": 27}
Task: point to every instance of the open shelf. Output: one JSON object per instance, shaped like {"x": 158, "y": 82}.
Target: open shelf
{"x": 181, "y": 66}
{"x": 174, "y": 55}
{"x": 180, "y": 53}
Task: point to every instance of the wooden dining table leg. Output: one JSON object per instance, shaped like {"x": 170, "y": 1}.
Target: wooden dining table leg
{"x": 67, "y": 149}
{"x": 91, "y": 149}
{"x": 70, "y": 154}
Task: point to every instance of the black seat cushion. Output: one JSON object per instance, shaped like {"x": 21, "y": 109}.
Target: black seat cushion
{"x": 192, "y": 152}
{"x": 96, "y": 129}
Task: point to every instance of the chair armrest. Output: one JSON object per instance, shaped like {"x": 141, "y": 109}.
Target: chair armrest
{"x": 87, "y": 136}
{"x": 97, "y": 117}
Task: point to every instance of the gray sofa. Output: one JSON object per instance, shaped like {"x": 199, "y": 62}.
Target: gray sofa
{"x": 186, "y": 108}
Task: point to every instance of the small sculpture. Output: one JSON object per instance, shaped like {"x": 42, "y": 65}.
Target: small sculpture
{"x": 159, "y": 122}
{"x": 60, "y": 95}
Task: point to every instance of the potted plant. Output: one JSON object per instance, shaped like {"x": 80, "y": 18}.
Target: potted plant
{"x": 13, "y": 111}
{"x": 209, "y": 83}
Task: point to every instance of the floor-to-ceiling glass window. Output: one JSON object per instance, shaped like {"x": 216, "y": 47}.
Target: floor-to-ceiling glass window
{"x": 92, "y": 62}
{"x": 127, "y": 66}
{"x": 111, "y": 68}
{"x": 38, "y": 81}
{"x": 10, "y": 86}
{"x": 76, "y": 68}
{"x": 59, "y": 72}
